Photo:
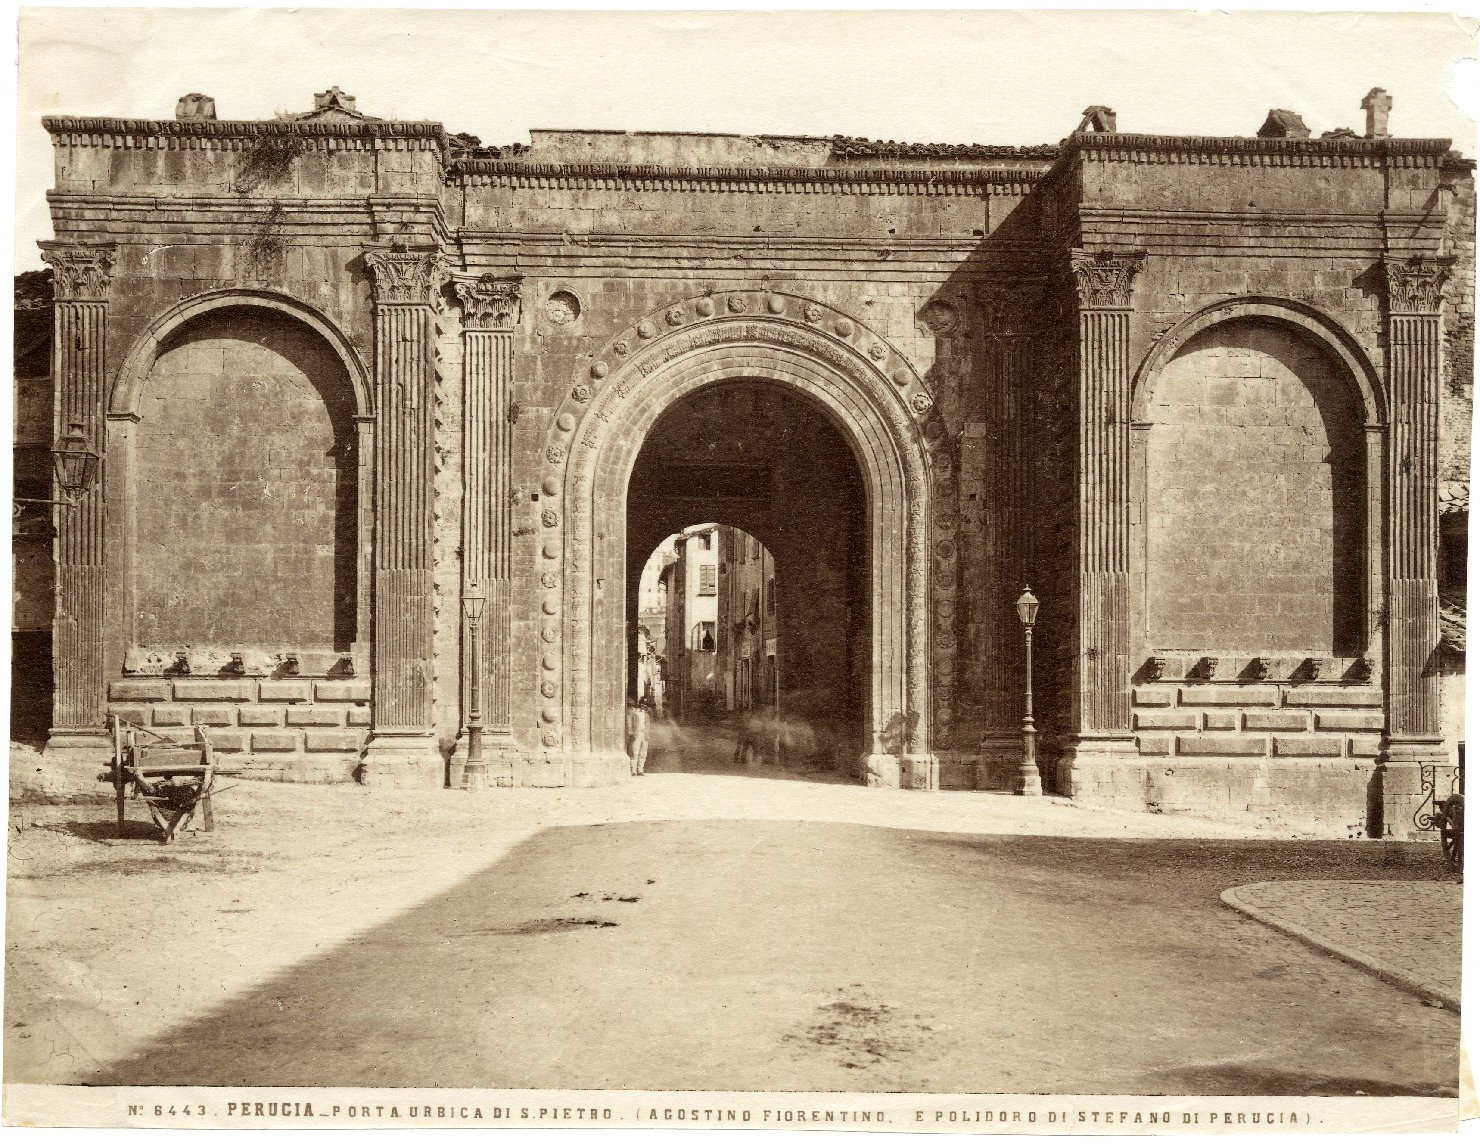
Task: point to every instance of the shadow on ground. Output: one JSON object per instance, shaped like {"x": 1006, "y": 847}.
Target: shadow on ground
{"x": 757, "y": 955}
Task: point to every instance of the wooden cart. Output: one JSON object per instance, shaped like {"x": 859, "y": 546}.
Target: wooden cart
{"x": 174, "y": 780}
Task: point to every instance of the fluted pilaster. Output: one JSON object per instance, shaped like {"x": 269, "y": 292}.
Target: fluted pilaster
{"x": 490, "y": 309}
{"x": 406, "y": 281}
{"x": 1010, "y": 317}
{"x": 1415, "y": 296}
{"x": 82, "y": 275}
{"x": 1104, "y": 283}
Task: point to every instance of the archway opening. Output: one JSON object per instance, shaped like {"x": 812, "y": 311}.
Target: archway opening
{"x": 747, "y": 521}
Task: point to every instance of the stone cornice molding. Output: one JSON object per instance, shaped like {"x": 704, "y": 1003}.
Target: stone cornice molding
{"x": 1251, "y": 151}
{"x": 488, "y": 302}
{"x": 103, "y": 131}
{"x": 1105, "y": 280}
{"x": 406, "y": 275}
{"x": 843, "y": 147}
{"x": 81, "y": 272}
{"x": 835, "y": 180}
{"x": 1416, "y": 285}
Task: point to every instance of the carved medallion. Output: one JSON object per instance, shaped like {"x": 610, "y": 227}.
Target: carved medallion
{"x": 549, "y": 634}
{"x": 675, "y": 316}
{"x": 813, "y": 312}
{"x": 556, "y": 455}
{"x": 621, "y": 347}
{"x": 939, "y": 317}
{"x": 736, "y": 304}
{"x": 549, "y": 739}
{"x": 547, "y": 690}
{"x": 549, "y": 580}
{"x": 549, "y": 518}
{"x": 562, "y": 308}
{"x": 920, "y": 402}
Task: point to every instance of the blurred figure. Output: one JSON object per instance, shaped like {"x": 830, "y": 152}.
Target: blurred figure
{"x": 637, "y": 738}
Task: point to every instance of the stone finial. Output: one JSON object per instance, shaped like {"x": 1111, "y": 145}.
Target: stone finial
{"x": 1097, "y": 117}
{"x": 195, "y": 106}
{"x": 1282, "y": 124}
{"x": 334, "y": 100}
{"x": 1377, "y": 103}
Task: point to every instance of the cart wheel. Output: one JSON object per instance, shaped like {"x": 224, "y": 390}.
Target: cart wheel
{"x": 1452, "y": 832}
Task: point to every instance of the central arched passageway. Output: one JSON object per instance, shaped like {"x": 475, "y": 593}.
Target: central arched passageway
{"x": 847, "y": 378}
{"x": 768, "y": 599}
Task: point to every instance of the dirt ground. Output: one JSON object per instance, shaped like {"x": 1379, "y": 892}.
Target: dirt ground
{"x": 721, "y": 928}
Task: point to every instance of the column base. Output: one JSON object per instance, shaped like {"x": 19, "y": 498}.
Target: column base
{"x": 1404, "y": 765}
{"x": 502, "y": 757}
{"x": 917, "y": 772}
{"x": 79, "y": 743}
{"x": 1101, "y": 768}
{"x": 1001, "y": 754}
{"x": 403, "y": 758}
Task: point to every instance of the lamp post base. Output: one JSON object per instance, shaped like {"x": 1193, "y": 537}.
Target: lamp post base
{"x": 1028, "y": 782}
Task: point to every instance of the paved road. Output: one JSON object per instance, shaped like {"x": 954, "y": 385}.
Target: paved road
{"x": 748, "y": 954}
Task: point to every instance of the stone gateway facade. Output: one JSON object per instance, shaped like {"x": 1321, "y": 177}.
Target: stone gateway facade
{"x": 348, "y": 376}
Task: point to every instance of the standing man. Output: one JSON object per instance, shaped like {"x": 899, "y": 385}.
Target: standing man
{"x": 637, "y": 742}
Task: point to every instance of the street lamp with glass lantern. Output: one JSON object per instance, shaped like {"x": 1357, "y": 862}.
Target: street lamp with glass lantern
{"x": 74, "y": 465}
{"x": 475, "y": 772}
{"x": 1029, "y": 782}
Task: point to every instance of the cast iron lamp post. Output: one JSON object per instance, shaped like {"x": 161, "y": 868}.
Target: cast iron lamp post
{"x": 1029, "y": 782}
{"x": 475, "y": 772}
{"x": 74, "y": 466}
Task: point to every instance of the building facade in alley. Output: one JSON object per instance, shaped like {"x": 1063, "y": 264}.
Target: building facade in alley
{"x": 1209, "y": 397}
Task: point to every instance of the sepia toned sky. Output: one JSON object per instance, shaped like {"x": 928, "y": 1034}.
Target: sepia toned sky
{"x": 986, "y": 76}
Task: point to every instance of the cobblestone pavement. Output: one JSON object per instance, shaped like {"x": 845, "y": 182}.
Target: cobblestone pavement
{"x": 1405, "y": 932}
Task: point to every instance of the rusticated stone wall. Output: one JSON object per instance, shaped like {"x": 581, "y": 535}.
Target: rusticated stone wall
{"x": 1255, "y": 500}
{"x": 247, "y": 480}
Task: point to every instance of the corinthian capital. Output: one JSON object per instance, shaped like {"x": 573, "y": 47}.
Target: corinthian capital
{"x": 488, "y": 303}
{"x": 406, "y": 274}
{"x": 1416, "y": 285}
{"x": 1104, "y": 279}
{"x": 81, "y": 272}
